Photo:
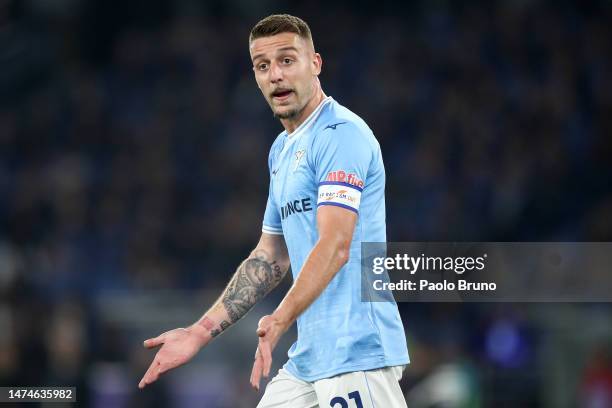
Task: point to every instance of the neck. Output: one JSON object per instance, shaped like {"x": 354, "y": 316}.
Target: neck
{"x": 291, "y": 124}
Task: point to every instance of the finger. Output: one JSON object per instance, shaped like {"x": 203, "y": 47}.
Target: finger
{"x": 146, "y": 378}
{"x": 256, "y": 372}
{"x": 266, "y": 354}
{"x": 150, "y": 376}
{"x": 154, "y": 342}
{"x": 262, "y": 326}
{"x": 143, "y": 380}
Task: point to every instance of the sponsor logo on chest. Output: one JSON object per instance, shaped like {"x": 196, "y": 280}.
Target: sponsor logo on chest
{"x": 296, "y": 206}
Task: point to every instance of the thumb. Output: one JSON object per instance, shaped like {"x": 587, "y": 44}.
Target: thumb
{"x": 154, "y": 342}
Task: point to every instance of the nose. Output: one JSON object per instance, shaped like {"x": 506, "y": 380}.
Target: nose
{"x": 276, "y": 73}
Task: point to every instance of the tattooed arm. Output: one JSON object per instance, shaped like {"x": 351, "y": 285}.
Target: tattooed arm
{"x": 254, "y": 279}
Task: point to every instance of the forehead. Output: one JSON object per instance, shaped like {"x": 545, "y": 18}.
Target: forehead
{"x": 267, "y": 46}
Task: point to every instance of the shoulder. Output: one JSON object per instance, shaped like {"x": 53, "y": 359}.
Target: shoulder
{"x": 340, "y": 127}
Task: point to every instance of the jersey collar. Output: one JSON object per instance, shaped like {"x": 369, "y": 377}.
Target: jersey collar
{"x": 310, "y": 119}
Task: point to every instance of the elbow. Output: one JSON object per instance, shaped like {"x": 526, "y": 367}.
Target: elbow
{"x": 342, "y": 249}
{"x": 342, "y": 255}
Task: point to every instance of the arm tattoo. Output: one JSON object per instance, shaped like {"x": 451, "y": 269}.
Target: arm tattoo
{"x": 253, "y": 280}
{"x": 224, "y": 325}
{"x": 212, "y": 328}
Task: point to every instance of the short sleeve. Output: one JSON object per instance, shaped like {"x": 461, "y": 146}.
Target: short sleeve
{"x": 272, "y": 221}
{"x": 342, "y": 157}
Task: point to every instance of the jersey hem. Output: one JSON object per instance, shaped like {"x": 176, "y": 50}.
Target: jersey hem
{"x": 364, "y": 366}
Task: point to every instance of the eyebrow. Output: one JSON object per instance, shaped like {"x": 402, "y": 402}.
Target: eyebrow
{"x": 288, "y": 48}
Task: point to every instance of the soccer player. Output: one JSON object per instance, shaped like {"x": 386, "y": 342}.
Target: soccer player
{"x": 326, "y": 196}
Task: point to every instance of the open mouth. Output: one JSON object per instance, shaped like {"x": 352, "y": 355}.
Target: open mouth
{"x": 281, "y": 94}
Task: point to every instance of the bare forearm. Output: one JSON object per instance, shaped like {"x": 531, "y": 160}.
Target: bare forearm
{"x": 254, "y": 279}
{"x": 324, "y": 261}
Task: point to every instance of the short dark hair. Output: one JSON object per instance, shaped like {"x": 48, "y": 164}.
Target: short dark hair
{"x": 280, "y": 23}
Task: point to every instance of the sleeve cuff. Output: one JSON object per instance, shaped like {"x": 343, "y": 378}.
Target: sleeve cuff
{"x": 271, "y": 230}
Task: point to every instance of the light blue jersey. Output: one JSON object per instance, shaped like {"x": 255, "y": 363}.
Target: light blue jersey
{"x": 333, "y": 158}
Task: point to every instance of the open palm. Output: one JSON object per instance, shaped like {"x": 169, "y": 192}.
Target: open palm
{"x": 178, "y": 346}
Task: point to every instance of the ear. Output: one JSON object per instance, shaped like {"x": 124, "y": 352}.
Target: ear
{"x": 317, "y": 63}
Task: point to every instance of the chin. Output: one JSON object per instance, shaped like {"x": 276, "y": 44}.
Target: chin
{"x": 286, "y": 113}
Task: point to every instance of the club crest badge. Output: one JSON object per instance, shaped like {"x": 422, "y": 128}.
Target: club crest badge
{"x": 298, "y": 157}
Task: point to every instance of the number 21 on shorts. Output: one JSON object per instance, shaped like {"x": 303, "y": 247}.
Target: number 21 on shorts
{"x": 339, "y": 402}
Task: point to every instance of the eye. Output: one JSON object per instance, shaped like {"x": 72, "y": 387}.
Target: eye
{"x": 287, "y": 61}
{"x": 262, "y": 67}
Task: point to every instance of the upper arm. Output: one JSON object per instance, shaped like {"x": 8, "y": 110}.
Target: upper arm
{"x": 336, "y": 226}
{"x": 342, "y": 159}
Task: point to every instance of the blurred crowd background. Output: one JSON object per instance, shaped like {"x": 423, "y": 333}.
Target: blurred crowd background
{"x": 133, "y": 179}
